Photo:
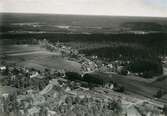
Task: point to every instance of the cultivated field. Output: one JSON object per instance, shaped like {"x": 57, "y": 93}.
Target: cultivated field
{"x": 33, "y": 56}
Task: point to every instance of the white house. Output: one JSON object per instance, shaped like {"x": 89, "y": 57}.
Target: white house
{"x": 2, "y": 68}
{"x": 34, "y": 74}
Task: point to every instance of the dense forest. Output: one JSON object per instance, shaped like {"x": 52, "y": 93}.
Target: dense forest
{"x": 152, "y": 39}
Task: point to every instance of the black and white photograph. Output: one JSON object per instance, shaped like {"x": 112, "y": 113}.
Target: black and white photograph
{"x": 83, "y": 57}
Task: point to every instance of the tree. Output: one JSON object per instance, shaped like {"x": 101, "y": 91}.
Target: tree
{"x": 159, "y": 94}
{"x": 165, "y": 110}
{"x": 3, "y": 62}
{"x": 73, "y": 76}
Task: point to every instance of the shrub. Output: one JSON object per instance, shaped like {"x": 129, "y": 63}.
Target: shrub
{"x": 73, "y": 76}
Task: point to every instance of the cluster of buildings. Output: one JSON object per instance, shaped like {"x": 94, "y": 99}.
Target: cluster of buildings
{"x": 61, "y": 97}
{"x": 58, "y": 47}
{"x": 58, "y": 91}
{"x": 117, "y": 66}
{"x": 57, "y": 98}
{"x": 87, "y": 65}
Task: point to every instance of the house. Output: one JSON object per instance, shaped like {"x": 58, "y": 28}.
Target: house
{"x": 52, "y": 113}
{"x": 46, "y": 89}
{"x": 68, "y": 89}
{"x": 109, "y": 85}
{"x": 38, "y": 99}
{"x": 33, "y": 111}
{"x": 132, "y": 111}
{"x": 34, "y": 74}
{"x": 30, "y": 91}
{"x": 2, "y": 68}
{"x": 110, "y": 66}
{"x": 5, "y": 95}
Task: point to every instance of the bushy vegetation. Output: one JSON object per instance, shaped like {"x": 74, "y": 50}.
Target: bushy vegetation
{"x": 120, "y": 52}
{"x": 20, "y": 79}
{"x": 73, "y": 76}
{"x": 96, "y": 78}
{"x": 147, "y": 67}
{"x": 145, "y": 26}
{"x": 141, "y": 59}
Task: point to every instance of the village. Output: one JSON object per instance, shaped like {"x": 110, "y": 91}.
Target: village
{"x": 88, "y": 63}
{"x": 61, "y": 93}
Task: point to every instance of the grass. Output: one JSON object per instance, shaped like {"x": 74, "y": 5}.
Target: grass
{"x": 39, "y": 60}
{"x": 161, "y": 82}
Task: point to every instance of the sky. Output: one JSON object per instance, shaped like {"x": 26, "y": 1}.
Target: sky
{"x": 155, "y": 8}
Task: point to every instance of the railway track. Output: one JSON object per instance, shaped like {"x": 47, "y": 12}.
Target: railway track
{"x": 132, "y": 98}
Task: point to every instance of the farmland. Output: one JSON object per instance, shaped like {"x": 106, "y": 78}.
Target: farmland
{"x": 33, "y": 56}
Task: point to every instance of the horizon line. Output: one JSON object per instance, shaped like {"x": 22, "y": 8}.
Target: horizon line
{"x": 83, "y": 14}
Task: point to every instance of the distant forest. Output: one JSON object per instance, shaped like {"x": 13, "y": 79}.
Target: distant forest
{"x": 153, "y": 40}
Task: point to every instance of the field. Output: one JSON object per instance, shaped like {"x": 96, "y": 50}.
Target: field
{"x": 33, "y": 56}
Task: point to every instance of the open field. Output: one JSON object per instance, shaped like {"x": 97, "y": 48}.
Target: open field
{"x": 14, "y": 49}
{"x": 33, "y": 56}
